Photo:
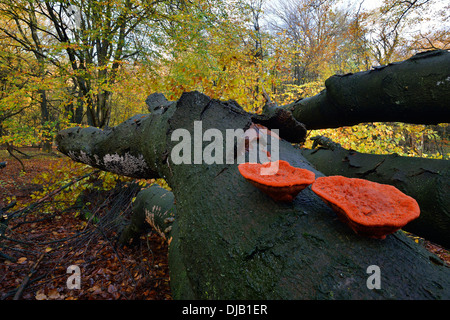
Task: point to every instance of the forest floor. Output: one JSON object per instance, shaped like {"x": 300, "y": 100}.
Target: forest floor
{"x": 36, "y": 250}
{"x": 42, "y": 249}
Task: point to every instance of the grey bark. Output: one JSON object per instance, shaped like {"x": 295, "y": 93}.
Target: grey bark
{"x": 231, "y": 241}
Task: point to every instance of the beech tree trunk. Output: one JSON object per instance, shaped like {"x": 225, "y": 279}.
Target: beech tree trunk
{"x": 412, "y": 91}
{"x": 231, "y": 241}
{"x": 426, "y": 180}
{"x": 153, "y": 207}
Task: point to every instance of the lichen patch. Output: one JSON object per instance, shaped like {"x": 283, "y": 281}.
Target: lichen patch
{"x": 126, "y": 164}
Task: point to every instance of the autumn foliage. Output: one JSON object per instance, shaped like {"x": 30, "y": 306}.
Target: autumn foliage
{"x": 93, "y": 63}
{"x": 88, "y": 63}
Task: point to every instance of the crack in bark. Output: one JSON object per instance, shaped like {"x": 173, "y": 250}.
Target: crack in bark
{"x": 370, "y": 171}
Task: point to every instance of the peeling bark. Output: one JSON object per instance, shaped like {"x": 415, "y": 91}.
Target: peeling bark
{"x": 231, "y": 241}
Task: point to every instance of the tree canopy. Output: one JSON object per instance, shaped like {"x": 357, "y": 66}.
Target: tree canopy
{"x": 94, "y": 62}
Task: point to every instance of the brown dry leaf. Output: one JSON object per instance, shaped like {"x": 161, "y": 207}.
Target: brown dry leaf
{"x": 112, "y": 288}
{"x": 95, "y": 289}
{"x": 53, "y": 294}
{"x": 21, "y": 260}
{"x": 40, "y": 295}
{"x": 110, "y": 283}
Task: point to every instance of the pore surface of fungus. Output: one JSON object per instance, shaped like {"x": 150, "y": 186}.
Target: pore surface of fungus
{"x": 283, "y": 183}
{"x": 369, "y": 208}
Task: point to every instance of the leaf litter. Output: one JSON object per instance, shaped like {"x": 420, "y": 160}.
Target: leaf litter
{"x": 65, "y": 238}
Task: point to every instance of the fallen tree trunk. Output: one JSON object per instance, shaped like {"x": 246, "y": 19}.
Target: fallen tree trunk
{"x": 412, "y": 91}
{"x": 231, "y": 241}
{"x": 155, "y": 207}
{"x": 426, "y": 180}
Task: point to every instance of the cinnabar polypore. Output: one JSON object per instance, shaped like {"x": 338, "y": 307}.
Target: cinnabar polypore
{"x": 281, "y": 185}
{"x": 369, "y": 208}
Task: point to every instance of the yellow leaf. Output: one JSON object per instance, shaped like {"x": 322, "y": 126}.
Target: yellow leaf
{"x": 48, "y": 249}
{"x": 22, "y": 260}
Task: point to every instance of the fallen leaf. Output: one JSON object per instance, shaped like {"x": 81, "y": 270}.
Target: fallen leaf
{"x": 40, "y": 295}
{"x": 95, "y": 289}
{"x": 22, "y": 260}
{"x": 111, "y": 288}
{"x": 53, "y": 294}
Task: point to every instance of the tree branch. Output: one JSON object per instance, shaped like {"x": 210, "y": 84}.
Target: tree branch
{"x": 413, "y": 91}
{"x": 426, "y": 180}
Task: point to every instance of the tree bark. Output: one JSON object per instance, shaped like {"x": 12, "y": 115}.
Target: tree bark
{"x": 47, "y": 139}
{"x": 426, "y": 180}
{"x": 412, "y": 91}
{"x": 231, "y": 241}
{"x": 153, "y": 206}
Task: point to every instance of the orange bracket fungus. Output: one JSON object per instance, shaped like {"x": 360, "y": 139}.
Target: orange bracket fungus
{"x": 369, "y": 208}
{"x": 283, "y": 184}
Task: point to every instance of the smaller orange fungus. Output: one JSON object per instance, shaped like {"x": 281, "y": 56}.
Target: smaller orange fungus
{"x": 369, "y": 208}
{"x": 282, "y": 184}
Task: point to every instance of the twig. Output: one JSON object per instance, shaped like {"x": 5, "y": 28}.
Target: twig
{"x": 7, "y": 257}
{"x": 324, "y": 142}
{"x": 22, "y": 153}
{"x": 9, "y": 206}
{"x": 15, "y": 240}
{"x": 19, "y": 250}
{"x": 51, "y": 194}
{"x": 11, "y": 292}
{"x": 10, "y": 149}
{"x": 115, "y": 251}
{"x": 27, "y": 278}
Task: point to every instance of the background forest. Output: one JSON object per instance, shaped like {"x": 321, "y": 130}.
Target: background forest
{"x": 93, "y": 63}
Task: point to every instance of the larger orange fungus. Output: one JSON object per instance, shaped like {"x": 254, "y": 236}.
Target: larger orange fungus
{"x": 369, "y": 208}
{"x": 281, "y": 185}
